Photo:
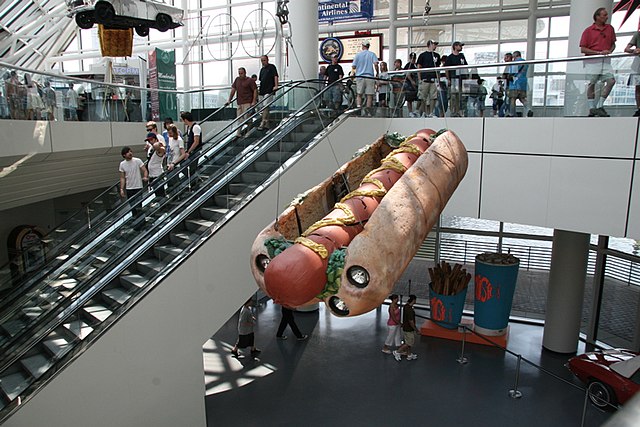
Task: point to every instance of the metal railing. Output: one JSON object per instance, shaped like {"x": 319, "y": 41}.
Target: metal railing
{"x": 625, "y": 269}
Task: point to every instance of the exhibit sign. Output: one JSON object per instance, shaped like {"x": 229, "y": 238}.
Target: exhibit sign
{"x": 334, "y": 11}
{"x": 346, "y": 47}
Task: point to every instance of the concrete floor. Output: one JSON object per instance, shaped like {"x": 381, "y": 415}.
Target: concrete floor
{"x": 339, "y": 376}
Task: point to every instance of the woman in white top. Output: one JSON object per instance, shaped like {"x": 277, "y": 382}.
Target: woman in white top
{"x": 383, "y": 86}
{"x": 176, "y": 147}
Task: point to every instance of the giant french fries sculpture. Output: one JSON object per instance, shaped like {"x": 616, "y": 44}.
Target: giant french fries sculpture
{"x": 349, "y": 250}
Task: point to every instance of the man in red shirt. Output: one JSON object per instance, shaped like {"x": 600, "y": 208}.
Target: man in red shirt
{"x": 598, "y": 39}
{"x": 247, "y": 92}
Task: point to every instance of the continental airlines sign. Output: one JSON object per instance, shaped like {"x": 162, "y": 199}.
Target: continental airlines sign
{"x": 332, "y": 11}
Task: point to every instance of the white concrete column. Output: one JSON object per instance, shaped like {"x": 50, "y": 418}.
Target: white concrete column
{"x": 186, "y": 75}
{"x": 303, "y": 52}
{"x": 575, "y": 99}
{"x": 393, "y": 33}
{"x": 569, "y": 258}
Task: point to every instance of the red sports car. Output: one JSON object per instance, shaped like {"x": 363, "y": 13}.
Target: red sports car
{"x": 612, "y": 376}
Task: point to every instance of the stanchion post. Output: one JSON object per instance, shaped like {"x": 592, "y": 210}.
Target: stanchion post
{"x": 462, "y": 359}
{"x": 515, "y": 393}
{"x": 584, "y": 407}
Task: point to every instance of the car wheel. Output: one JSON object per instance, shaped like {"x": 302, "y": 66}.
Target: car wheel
{"x": 142, "y": 31}
{"x": 85, "y": 20}
{"x": 164, "y": 22}
{"x": 104, "y": 12}
{"x": 602, "y": 396}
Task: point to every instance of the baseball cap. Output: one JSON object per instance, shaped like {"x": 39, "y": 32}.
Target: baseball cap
{"x": 151, "y": 135}
{"x": 457, "y": 43}
{"x": 432, "y": 42}
{"x": 366, "y": 43}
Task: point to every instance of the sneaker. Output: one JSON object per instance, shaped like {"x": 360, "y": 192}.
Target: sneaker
{"x": 412, "y": 356}
{"x": 637, "y": 113}
{"x": 235, "y": 353}
{"x": 593, "y": 112}
{"x": 386, "y": 351}
{"x": 304, "y": 337}
{"x": 423, "y": 116}
{"x": 397, "y": 355}
{"x": 282, "y": 337}
{"x": 530, "y": 113}
{"x": 602, "y": 112}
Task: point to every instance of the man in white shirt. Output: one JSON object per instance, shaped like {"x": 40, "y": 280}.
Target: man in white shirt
{"x": 132, "y": 174}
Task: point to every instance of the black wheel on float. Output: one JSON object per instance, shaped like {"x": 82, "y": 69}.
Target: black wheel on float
{"x": 142, "y": 31}
{"x": 104, "y": 12}
{"x": 164, "y": 22}
{"x": 85, "y": 20}
{"x": 602, "y": 396}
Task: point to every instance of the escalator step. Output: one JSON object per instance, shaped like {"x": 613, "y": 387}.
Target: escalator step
{"x": 79, "y": 328}
{"x": 14, "y": 384}
{"x": 99, "y": 312}
{"x": 236, "y": 188}
{"x": 253, "y": 177}
{"x": 117, "y": 295}
{"x": 133, "y": 281}
{"x": 277, "y": 156}
{"x": 226, "y": 200}
{"x": 65, "y": 283}
{"x": 198, "y": 225}
{"x": 266, "y": 167}
{"x": 183, "y": 239}
{"x": 12, "y": 327}
{"x": 149, "y": 266}
{"x": 32, "y": 312}
{"x": 57, "y": 346}
{"x": 212, "y": 213}
{"x": 36, "y": 365}
{"x": 167, "y": 252}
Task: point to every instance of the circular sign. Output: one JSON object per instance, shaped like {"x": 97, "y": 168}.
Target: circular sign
{"x": 329, "y": 47}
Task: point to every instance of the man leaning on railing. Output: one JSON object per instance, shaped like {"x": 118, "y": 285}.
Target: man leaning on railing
{"x": 598, "y": 39}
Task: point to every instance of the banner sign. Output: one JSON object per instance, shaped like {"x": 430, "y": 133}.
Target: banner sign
{"x": 162, "y": 75}
{"x": 334, "y": 10}
{"x": 346, "y": 47}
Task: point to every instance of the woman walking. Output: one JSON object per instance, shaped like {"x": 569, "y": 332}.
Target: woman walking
{"x": 393, "y": 324}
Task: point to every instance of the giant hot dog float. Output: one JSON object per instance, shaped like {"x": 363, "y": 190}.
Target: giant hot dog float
{"x": 348, "y": 248}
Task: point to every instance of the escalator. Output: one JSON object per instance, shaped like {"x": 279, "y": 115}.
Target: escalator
{"x": 114, "y": 264}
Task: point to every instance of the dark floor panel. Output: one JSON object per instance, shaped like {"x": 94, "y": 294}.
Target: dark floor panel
{"x": 340, "y": 377}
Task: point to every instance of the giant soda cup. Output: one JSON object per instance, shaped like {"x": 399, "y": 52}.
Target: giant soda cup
{"x": 495, "y": 284}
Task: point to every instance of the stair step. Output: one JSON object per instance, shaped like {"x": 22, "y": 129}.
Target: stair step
{"x": 198, "y": 225}
{"x": 101, "y": 259}
{"x": 32, "y": 312}
{"x": 266, "y": 167}
{"x": 167, "y": 252}
{"x": 133, "y": 281}
{"x": 277, "y": 156}
{"x": 237, "y": 188}
{"x": 98, "y": 312}
{"x": 182, "y": 239}
{"x": 58, "y": 345}
{"x": 13, "y": 327}
{"x": 212, "y": 213}
{"x": 226, "y": 200}
{"x": 117, "y": 295}
{"x": 36, "y": 365}
{"x": 67, "y": 283}
{"x": 14, "y": 384}
{"x": 150, "y": 266}
{"x": 78, "y": 328}
{"x": 253, "y": 177}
